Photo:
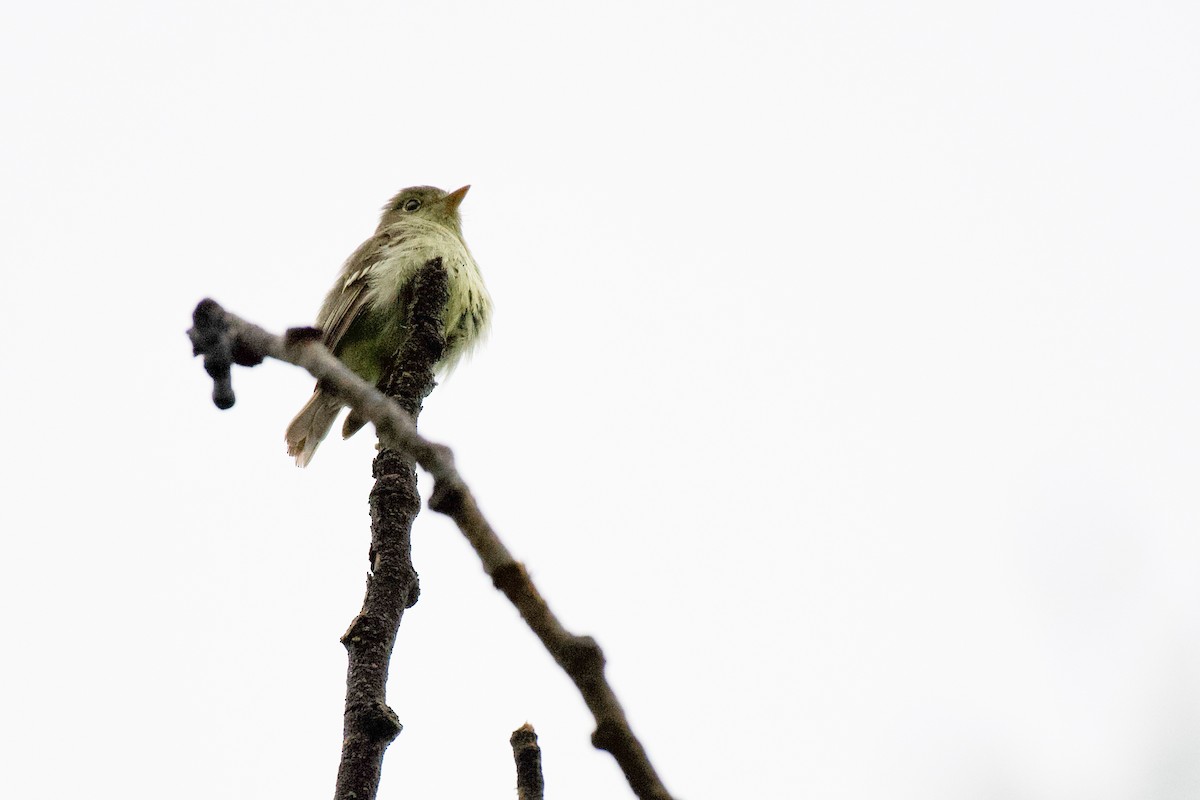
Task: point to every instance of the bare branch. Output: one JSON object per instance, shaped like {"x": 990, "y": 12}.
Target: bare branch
{"x": 528, "y": 756}
{"x": 579, "y": 656}
{"x": 369, "y": 724}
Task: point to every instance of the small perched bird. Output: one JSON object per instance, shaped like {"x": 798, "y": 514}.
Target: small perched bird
{"x": 363, "y": 317}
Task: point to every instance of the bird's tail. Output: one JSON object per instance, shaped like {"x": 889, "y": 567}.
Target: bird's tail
{"x": 311, "y": 425}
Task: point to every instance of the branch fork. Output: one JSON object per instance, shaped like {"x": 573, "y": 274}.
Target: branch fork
{"x": 224, "y": 340}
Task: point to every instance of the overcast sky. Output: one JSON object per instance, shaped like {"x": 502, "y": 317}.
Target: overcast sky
{"x": 843, "y": 384}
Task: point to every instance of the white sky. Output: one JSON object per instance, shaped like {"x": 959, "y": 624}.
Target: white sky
{"x": 843, "y": 384}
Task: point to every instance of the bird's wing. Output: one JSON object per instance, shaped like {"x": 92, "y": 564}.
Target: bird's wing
{"x": 347, "y": 299}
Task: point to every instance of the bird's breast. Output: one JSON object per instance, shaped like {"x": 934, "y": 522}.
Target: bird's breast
{"x": 468, "y": 308}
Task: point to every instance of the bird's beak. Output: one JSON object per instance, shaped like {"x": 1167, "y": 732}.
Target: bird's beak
{"x": 455, "y": 198}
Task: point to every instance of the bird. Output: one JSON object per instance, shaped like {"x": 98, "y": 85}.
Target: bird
{"x": 363, "y": 319}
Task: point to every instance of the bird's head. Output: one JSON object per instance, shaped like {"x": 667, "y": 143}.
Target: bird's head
{"x": 427, "y": 202}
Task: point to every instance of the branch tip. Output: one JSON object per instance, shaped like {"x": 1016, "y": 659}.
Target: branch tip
{"x": 528, "y": 757}
{"x": 210, "y": 338}
{"x": 206, "y": 311}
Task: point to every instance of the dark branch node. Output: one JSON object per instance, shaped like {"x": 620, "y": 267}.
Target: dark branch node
{"x": 244, "y": 355}
{"x": 379, "y": 722}
{"x": 608, "y": 736}
{"x": 414, "y": 592}
{"x": 509, "y": 578}
{"x": 447, "y": 497}
{"x": 582, "y": 656}
{"x": 353, "y": 635}
{"x": 210, "y": 338}
{"x": 384, "y": 724}
{"x": 297, "y": 335}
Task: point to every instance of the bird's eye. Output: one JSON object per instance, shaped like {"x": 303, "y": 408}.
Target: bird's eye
{"x": 412, "y": 205}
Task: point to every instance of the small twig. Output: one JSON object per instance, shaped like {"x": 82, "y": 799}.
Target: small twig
{"x": 579, "y": 656}
{"x": 528, "y": 756}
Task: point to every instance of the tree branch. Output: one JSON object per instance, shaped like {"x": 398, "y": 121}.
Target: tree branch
{"x": 528, "y": 756}
{"x": 579, "y": 656}
{"x": 369, "y": 724}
